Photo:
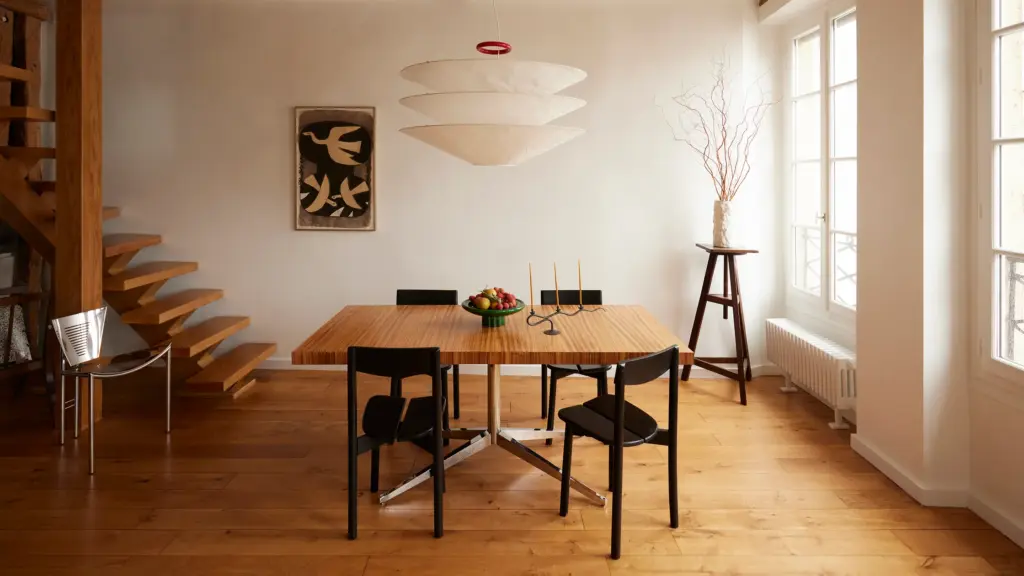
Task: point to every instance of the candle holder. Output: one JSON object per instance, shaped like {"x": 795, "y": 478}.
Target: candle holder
{"x": 535, "y": 319}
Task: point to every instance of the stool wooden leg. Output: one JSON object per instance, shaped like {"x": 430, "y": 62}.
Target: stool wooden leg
{"x": 737, "y": 321}
{"x": 702, "y": 306}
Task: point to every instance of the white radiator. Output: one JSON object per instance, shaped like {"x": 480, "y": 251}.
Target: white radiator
{"x": 821, "y": 367}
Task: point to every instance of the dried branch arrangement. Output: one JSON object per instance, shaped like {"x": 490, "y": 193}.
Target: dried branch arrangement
{"x": 706, "y": 124}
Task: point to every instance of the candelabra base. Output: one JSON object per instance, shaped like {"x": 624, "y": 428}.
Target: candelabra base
{"x": 552, "y": 332}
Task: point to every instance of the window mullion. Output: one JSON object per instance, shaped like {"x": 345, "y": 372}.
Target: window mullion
{"x": 826, "y": 164}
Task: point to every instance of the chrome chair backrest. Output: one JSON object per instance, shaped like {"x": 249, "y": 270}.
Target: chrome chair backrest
{"x": 81, "y": 335}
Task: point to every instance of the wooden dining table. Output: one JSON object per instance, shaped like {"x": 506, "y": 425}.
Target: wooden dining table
{"x": 604, "y": 335}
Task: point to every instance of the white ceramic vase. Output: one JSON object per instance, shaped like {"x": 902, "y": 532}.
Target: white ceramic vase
{"x": 723, "y": 213}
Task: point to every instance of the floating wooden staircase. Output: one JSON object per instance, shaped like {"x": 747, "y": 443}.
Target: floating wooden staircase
{"x": 133, "y": 292}
{"x": 28, "y": 204}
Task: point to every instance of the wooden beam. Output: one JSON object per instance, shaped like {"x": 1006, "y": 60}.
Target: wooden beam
{"x": 79, "y": 265}
{"x": 33, "y": 8}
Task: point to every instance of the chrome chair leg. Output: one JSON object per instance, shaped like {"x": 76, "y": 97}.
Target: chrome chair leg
{"x": 62, "y": 401}
{"x": 168, "y": 391}
{"x": 78, "y": 384}
{"x": 92, "y": 427}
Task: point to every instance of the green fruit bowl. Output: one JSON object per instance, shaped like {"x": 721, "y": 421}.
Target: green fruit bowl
{"x": 493, "y": 318}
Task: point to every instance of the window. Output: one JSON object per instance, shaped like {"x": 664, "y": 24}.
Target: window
{"x": 823, "y": 111}
{"x": 1004, "y": 248}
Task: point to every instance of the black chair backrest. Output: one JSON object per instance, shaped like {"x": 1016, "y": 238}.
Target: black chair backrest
{"x": 647, "y": 368}
{"x": 427, "y": 298}
{"x": 395, "y": 362}
{"x": 571, "y": 297}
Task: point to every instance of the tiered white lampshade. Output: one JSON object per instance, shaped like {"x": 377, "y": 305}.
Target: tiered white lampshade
{"x": 493, "y": 111}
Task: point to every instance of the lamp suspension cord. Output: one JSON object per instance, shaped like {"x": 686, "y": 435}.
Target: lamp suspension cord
{"x": 497, "y": 22}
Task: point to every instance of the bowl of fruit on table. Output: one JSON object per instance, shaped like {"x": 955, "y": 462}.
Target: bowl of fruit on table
{"x": 493, "y": 305}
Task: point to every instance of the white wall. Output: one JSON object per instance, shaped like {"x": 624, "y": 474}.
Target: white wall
{"x": 891, "y": 231}
{"x": 199, "y": 100}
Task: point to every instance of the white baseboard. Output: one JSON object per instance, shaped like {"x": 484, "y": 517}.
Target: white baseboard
{"x": 926, "y": 495}
{"x": 1013, "y": 528}
{"x": 285, "y": 363}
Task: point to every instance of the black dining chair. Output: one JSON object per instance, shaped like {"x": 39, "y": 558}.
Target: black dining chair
{"x": 613, "y": 421}
{"x": 568, "y": 298}
{"x": 383, "y": 422}
{"x": 432, "y": 298}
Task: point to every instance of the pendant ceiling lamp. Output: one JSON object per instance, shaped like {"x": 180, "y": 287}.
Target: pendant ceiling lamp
{"x": 493, "y": 111}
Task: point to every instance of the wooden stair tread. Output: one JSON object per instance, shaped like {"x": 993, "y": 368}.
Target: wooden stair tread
{"x": 14, "y": 74}
{"x": 33, "y": 8}
{"x": 171, "y": 307}
{"x": 28, "y": 154}
{"x": 196, "y": 339}
{"x": 118, "y": 244}
{"x": 28, "y": 113}
{"x": 227, "y": 370}
{"x": 146, "y": 274}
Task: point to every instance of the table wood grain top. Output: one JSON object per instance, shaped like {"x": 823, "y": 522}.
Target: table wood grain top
{"x": 607, "y": 336}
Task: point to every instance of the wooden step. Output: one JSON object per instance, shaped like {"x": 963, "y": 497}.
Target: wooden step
{"x": 146, "y": 274}
{"x": 118, "y": 244}
{"x": 14, "y": 74}
{"x": 171, "y": 307}
{"x": 230, "y": 368}
{"x": 28, "y": 155}
{"x": 27, "y": 113}
{"x": 196, "y": 339}
{"x": 34, "y": 8}
{"x": 50, "y": 198}
{"x": 43, "y": 186}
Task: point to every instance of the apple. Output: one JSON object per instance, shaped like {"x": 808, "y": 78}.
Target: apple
{"x": 490, "y": 292}
{"x": 482, "y": 303}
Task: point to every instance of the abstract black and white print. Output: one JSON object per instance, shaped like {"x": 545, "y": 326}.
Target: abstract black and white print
{"x": 335, "y": 169}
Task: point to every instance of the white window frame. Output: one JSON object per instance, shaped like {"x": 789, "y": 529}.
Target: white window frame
{"x": 988, "y": 253}
{"x": 821, "y": 309}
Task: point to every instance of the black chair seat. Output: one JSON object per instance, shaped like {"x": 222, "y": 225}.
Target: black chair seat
{"x": 419, "y": 419}
{"x": 383, "y": 422}
{"x": 596, "y": 419}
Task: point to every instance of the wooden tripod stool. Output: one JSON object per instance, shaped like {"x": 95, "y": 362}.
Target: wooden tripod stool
{"x": 729, "y": 298}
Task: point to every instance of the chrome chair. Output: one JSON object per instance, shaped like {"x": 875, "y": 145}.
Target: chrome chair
{"x": 81, "y": 338}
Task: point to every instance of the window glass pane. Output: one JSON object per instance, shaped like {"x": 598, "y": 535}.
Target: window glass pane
{"x": 1008, "y": 12}
{"x": 844, "y": 48}
{"x": 807, "y": 128}
{"x": 844, "y": 269}
{"x": 1011, "y": 309}
{"x": 1010, "y": 196}
{"x": 807, "y": 64}
{"x": 1009, "y": 85}
{"x": 844, "y": 195}
{"x": 844, "y": 122}
{"x": 807, "y": 258}
{"x": 806, "y": 193}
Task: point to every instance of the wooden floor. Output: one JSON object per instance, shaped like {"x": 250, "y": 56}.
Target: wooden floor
{"x": 257, "y": 486}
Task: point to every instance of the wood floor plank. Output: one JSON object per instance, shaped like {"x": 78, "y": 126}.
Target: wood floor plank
{"x": 181, "y": 565}
{"x": 790, "y": 543}
{"x": 258, "y": 486}
{"x": 85, "y": 542}
{"x": 958, "y": 543}
{"x": 379, "y": 518}
{"x": 418, "y": 543}
{"x": 494, "y": 566}
{"x": 803, "y": 566}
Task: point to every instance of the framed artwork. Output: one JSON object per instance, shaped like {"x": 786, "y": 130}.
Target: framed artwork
{"x": 335, "y": 155}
